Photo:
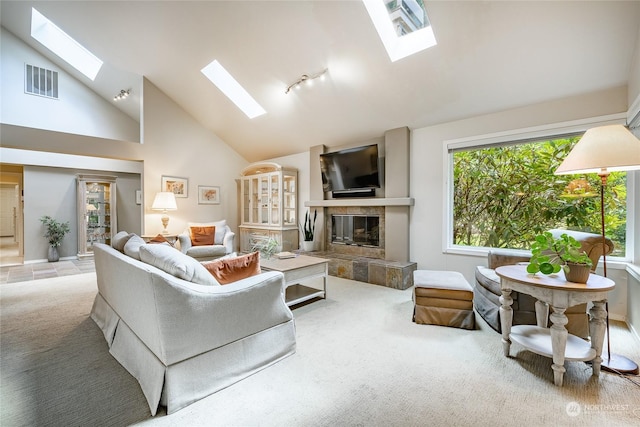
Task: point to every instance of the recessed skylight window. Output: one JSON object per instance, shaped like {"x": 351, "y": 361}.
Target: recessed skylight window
{"x": 230, "y": 87}
{"x": 402, "y": 25}
{"x": 60, "y": 43}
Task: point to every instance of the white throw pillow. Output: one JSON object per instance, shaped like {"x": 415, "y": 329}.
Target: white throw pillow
{"x": 132, "y": 247}
{"x": 221, "y": 229}
{"x": 121, "y": 239}
{"x": 174, "y": 262}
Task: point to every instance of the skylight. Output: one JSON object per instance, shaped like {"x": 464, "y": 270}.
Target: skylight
{"x": 60, "y": 43}
{"x": 409, "y": 38}
{"x": 230, "y": 87}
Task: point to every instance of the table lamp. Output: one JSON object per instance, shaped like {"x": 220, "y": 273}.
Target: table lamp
{"x": 164, "y": 201}
{"x": 603, "y": 150}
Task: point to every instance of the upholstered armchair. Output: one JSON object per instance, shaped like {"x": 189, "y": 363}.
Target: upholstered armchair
{"x": 205, "y": 241}
{"x": 487, "y": 286}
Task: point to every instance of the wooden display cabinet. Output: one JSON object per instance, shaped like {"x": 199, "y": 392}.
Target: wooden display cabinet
{"x": 269, "y": 205}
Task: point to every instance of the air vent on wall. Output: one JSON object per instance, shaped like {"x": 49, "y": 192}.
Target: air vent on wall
{"x": 40, "y": 81}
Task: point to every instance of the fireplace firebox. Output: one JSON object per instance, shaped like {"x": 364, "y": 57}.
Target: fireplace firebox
{"x": 359, "y": 230}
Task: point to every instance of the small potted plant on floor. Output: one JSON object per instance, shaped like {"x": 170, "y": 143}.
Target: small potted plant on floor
{"x": 550, "y": 255}
{"x": 308, "y": 231}
{"x": 55, "y": 232}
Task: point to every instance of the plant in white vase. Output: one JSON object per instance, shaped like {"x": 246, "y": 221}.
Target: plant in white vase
{"x": 308, "y": 230}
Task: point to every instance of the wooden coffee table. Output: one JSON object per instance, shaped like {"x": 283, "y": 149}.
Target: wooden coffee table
{"x": 302, "y": 268}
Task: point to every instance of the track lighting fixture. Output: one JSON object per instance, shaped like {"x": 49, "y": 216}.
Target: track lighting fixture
{"x": 306, "y": 79}
{"x": 122, "y": 95}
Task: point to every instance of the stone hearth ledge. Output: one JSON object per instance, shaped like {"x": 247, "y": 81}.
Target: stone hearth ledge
{"x": 392, "y": 274}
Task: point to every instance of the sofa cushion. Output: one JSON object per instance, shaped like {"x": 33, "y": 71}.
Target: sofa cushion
{"x": 230, "y": 270}
{"x": 120, "y": 239}
{"x": 202, "y": 236}
{"x": 132, "y": 247}
{"x": 176, "y": 263}
{"x": 200, "y": 252}
{"x": 221, "y": 229}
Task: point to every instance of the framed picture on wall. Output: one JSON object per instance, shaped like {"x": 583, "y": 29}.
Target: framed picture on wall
{"x": 208, "y": 195}
{"x": 176, "y": 185}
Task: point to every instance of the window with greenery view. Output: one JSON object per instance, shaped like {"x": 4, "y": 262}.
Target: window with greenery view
{"x": 505, "y": 195}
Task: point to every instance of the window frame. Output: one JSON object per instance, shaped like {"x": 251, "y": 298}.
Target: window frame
{"x": 519, "y": 136}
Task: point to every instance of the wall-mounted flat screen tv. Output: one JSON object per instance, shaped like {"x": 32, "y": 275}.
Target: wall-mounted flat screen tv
{"x": 350, "y": 169}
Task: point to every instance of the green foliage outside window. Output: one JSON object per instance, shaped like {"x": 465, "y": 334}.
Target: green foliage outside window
{"x": 505, "y": 196}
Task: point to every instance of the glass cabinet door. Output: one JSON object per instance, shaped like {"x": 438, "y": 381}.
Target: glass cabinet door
{"x": 289, "y": 206}
{"x": 264, "y": 200}
{"x": 96, "y": 212}
{"x": 246, "y": 202}
{"x": 274, "y": 185}
{"x": 255, "y": 199}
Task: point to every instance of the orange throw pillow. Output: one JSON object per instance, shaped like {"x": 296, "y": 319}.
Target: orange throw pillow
{"x": 201, "y": 236}
{"x": 158, "y": 239}
{"x": 231, "y": 270}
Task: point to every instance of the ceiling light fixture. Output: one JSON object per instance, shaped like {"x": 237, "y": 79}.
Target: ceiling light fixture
{"x": 122, "y": 95}
{"x": 220, "y": 77}
{"x": 63, "y": 45}
{"x": 307, "y": 80}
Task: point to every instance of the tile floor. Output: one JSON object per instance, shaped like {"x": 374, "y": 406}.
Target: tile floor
{"x": 45, "y": 270}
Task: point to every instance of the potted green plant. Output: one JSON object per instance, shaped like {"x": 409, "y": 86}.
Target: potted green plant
{"x": 308, "y": 231}
{"x": 266, "y": 246}
{"x": 550, "y": 255}
{"x": 54, "y": 232}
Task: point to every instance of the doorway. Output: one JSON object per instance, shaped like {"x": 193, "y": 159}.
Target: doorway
{"x": 11, "y": 219}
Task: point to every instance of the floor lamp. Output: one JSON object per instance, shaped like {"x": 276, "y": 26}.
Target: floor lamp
{"x": 603, "y": 150}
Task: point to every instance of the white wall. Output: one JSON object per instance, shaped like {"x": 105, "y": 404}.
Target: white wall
{"x": 176, "y": 145}
{"x": 78, "y": 110}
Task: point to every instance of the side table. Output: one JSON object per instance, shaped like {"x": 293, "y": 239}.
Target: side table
{"x": 557, "y": 292}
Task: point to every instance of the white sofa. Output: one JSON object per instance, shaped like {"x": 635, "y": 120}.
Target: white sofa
{"x": 183, "y": 340}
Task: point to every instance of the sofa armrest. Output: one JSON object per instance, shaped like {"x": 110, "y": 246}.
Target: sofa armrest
{"x": 590, "y": 243}
{"x": 500, "y": 257}
{"x": 185, "y": 242}
{"x": 228, "y": 240}
{"x": 194, "y": 319}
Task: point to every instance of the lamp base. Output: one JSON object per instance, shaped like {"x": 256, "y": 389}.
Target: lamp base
{"x": 618, "y": 364}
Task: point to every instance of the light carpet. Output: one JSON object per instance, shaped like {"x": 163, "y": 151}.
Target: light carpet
{"x": 360, "y": 361}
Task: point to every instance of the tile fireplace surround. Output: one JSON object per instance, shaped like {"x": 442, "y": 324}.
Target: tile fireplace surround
{"x": 364, "y": 263}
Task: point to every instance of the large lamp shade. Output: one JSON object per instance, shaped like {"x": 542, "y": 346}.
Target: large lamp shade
{"x": 164, "y": 200}
{"x": 603, "y": 149}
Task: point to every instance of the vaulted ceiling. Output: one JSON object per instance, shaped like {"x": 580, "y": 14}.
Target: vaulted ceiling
{"x": 490, "y": 56}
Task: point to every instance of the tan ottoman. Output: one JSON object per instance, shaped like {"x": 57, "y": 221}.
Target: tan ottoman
{"x": 443, "y": 298}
